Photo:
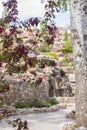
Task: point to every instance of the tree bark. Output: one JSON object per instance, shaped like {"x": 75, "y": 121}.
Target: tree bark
{"x": 78, "y": 12}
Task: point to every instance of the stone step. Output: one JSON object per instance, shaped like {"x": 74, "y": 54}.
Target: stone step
{"x": 66, "y": 99}
{"x": 68, "y": 69}
{"x": 71, "y": 77}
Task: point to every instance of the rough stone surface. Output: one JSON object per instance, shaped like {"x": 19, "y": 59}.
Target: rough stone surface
{"x": 59, "y": 83}
{"x": 71, "y": 78}
{"x": 70, "y": 127}
{"x": 22, "y": 91}
{"x": 55, "y": 83}
{"x": 80, "y": 128}
{"x": 17, "y": 111}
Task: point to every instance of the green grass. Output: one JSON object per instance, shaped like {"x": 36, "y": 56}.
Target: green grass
{"x": 52, "y": 54}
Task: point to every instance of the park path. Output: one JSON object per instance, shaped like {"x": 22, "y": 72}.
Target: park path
{"x": 43, "y": 121}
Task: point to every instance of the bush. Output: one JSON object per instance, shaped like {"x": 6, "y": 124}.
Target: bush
{"x": 45, "y": 48}
{"x": 67, "y": 61}
{"x": 53, "y": 101}
{"x": 68, "y": 43}
{"x": 1, "y": 57}
{"x": 46, "y": 104}
{"x": 52, "y": 54}
{"x": 21, "y": 104}
{"x": 66, "y": 36}
{"x": 38, "y": 103}
{"x": 68, "y": 46}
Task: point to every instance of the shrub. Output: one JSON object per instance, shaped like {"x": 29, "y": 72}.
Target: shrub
{"x": 68, "y": 43}
{"x": 52, "y": 54}
{"x": 21, "y": 104}
{"x": 66, "y": 36}
{"x": 1, "y": 57}
{"x": 67, "y": 61}
{"x": 68, "y": 46}
{"x": 46, "y": 104}
{"x": 38, "y": 103}
{"x": 53, "y": 101}
{"x": 45, "y": 47}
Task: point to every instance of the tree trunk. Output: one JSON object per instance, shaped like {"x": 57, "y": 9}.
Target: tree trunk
{"x": 78, "y": 12}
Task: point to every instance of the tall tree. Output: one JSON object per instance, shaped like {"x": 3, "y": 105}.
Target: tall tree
{"x": 78, "y": 12}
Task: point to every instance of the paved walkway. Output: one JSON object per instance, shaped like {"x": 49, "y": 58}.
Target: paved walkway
{"x": 43, "y": 121}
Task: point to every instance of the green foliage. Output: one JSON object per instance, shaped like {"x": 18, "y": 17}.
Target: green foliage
{"x": 45, "y": 47}
{"x": 52, "y": 54}
{"x": 68, "y": 43}
{"x": 66, "y": 60}
{"x": 1, "y": 102}
{"x": 68, "y": 46}
{"x": 33, "y": 103}
{"x": 43, "y": 26}
{"x": 38, "y": 103}
{"x": 1, "y": 56}
{"x": 53, "y": 101}
{"x": 62, "y": 4}
{"x": 66, "y": 36}
{"x": 54, "y": 6}
{"x": 21, "y": 104}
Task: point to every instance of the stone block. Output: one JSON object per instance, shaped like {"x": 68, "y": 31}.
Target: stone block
{"x": 80, "y": 128}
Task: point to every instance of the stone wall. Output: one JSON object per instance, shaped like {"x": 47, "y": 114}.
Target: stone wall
{"x": 55, "y": 83}
{"x": 23, "y": 91}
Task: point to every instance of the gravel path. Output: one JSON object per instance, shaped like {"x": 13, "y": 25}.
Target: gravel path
{"x": 42, "y": 121}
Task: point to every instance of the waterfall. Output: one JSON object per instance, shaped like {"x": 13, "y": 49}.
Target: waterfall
{"x": 54, "y": 85}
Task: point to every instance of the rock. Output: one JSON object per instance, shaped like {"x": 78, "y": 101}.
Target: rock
{"x": 70, "y": 127}
{"x": 26, "y": 129}
{"x": 68, "y": 69}
{"x": 67, "y": 127}
{"x": 71, "y": 115}
{"x": 59, "y": 83}
{"x": 80, "y": 128}
{"x": 71, "y": 78}
{"x": 55, "y": 83}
